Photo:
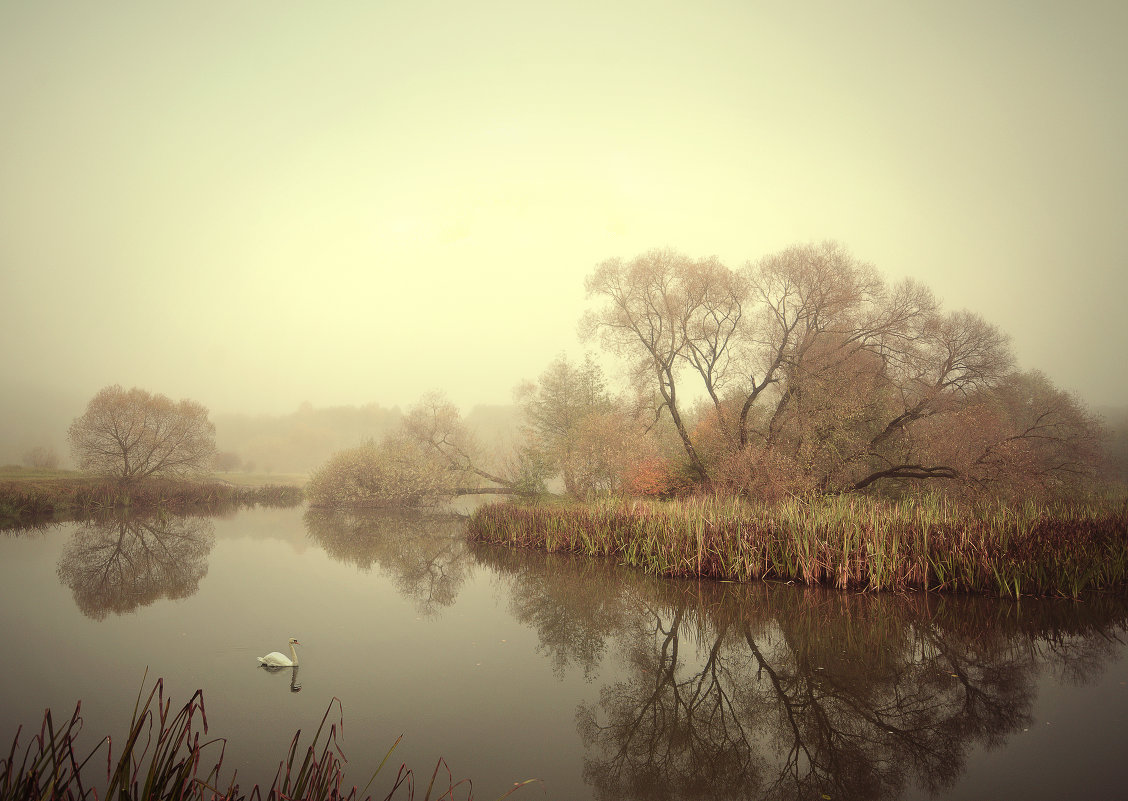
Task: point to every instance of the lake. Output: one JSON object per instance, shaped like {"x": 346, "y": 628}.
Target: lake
{"x": 601, "y": 681}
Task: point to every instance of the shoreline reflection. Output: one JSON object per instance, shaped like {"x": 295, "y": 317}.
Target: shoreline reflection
{"x": 779, "y": 691}
{"x": 425, "y": 554}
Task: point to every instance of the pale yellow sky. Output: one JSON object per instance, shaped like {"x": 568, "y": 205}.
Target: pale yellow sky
{"x": 260, "y": 203}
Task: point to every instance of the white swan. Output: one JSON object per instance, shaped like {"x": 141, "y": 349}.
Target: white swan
{"x": 275, "y": 659}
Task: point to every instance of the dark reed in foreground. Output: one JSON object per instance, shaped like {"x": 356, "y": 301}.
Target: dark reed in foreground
{"x": 23, "y": 502}
{"x": 855, "y": 543}
{"x": 177, "y": 765}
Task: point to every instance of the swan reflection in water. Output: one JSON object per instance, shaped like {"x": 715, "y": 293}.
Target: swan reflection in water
{"x": 295, "y": 685}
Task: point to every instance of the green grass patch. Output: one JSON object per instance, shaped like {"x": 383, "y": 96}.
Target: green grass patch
{"x": 846, "y": 542}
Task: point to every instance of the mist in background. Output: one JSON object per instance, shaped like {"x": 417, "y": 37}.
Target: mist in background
{"x": 261, "y": 205}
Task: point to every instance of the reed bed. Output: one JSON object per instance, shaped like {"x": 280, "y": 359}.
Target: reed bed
{"x": 165, "y": 758}
{"x": 23, "y": 502}
{"x": 846, "y": 542}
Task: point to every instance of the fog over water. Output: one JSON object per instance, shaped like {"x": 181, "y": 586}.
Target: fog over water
{"x": 260, "y": 205}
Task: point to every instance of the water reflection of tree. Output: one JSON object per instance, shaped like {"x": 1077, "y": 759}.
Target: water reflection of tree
{"x": 869, "y": 692}
{"x": 575, "y": 604}
{"x": 424, "y": 553}
{"x": 767, "y": 691}
{"x": 118, "y": 563}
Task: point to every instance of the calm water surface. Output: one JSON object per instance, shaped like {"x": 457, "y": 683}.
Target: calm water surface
{"x": 603, "y": 682}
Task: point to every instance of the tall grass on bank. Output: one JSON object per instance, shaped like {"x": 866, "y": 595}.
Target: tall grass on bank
{"x": 23, "y": 502}
{"x": 846, "y": 542}
{"x": 163, "y": 758}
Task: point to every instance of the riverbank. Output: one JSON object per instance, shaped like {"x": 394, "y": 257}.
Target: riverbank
{"x": 845, "y": 542}
{"x": 37, "y": 498}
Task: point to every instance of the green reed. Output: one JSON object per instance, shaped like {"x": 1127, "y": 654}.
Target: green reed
{"x": 843, "y": 541}
{"x": 164, "y": 758}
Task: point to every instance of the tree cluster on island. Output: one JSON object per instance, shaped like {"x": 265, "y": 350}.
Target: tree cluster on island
{"x": 804, "y": 372}
{"x": 807, "y": 373}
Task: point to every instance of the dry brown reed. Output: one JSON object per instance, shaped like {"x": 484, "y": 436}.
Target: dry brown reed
{"x": 164, "y": 757}
{"x": 846, "y": 542}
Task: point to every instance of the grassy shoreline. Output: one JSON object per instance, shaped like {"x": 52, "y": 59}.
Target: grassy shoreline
{"x": 36, "y": 500}
{"x": 845, "y": 542}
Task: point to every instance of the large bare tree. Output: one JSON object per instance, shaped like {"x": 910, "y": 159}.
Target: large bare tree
{"x": 134, "y": 435}
{"x": 663, "y": 311}
{"x": 817, "y": 370}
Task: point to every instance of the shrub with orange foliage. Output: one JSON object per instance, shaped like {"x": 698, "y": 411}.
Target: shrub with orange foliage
{"x": 653, "y": 476}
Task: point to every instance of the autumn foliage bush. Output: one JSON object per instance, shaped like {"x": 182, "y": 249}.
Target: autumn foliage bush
{"x": 396, "y": 472}
{"x": 652, "y": 476}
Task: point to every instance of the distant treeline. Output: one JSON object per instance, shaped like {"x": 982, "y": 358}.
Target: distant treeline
{"x": 302, "y": 440}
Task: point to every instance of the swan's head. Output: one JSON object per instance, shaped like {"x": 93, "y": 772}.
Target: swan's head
{"x": 294, "y": 642}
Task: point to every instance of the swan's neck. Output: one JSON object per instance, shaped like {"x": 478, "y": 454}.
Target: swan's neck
{"x": 293, "y": 654}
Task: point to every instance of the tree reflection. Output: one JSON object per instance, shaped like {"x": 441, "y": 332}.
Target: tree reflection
{"x": 119, "y": 563}
{"x": 682, "y": 725}
{"x": 775, "y": 691}
{"x": 869, "y": 692}
{"x": 424, "y": 553}
{"x": 563, "y": 598}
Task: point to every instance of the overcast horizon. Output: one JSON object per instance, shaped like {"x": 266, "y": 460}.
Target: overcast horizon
{"x": 260, "y": 205}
